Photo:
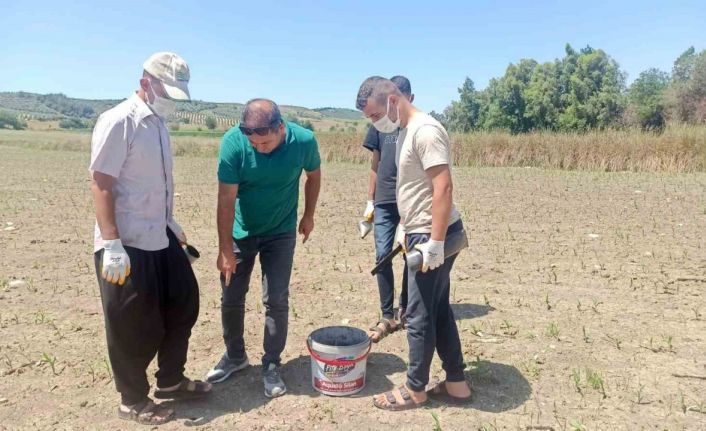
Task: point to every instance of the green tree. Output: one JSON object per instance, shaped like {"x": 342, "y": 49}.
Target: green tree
{"x": 463, "y": 115}
{"x": 647, "y": 101}
{"x": 543, "y": 97}
{"x": 687, "y": 93}
{"x": 72, "y": 123}
{"x": 592, "y": 93}
{"x": 12, "y": 121}
{"x": 211, "y": 123}
{"x": 506, "y": 99}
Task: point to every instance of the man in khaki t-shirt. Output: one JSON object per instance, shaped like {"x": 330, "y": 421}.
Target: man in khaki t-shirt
{"x": 422, "y": 145}
{"x": 427, "y": 213}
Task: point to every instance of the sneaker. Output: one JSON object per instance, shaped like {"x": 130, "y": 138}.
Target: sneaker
{"x": 225, "y": 368}
{"x": 274, "y": 386}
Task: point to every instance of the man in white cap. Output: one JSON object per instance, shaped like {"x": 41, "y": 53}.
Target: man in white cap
{"x": 149, "y": 292}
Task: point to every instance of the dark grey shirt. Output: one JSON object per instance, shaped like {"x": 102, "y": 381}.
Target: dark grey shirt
{"x": 386, "y": 144}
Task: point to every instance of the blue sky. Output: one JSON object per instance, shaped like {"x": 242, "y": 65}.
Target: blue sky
{"x": 316, "y": 53}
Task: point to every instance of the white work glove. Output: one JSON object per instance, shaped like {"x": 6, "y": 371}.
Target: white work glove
{"x": 116, "y": 262}
{"x": 432, "y": 254}
{"x": 400, "y": 238}
{"x": 369, "y": 212}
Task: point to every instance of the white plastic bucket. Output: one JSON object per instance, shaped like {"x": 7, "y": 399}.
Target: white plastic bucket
{"x": 338, "y": 359}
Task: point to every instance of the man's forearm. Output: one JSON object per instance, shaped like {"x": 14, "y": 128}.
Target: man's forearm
{"x": 312, "y": 186}
{"x": 105, "y": 211}
{"x": 371, "y": 185}
{"x": 225, "y": 215}
{"x": 440, "y": 213}
{"x": 441, "y": 203}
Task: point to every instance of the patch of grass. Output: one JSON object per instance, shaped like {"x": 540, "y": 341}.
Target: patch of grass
{"x": 553, "y": 330}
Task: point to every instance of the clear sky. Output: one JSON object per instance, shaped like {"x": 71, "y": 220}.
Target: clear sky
{"x": 316, "y": 53}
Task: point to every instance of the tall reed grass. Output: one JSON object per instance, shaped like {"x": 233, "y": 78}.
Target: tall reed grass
{"x": 681, "y": 148}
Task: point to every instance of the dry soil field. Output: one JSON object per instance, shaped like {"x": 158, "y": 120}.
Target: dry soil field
{"x": 580, "y": 303}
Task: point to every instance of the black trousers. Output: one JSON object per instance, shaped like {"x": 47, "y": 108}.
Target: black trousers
{"x": 430, "y": 320}
{"x": 151, "y": 314}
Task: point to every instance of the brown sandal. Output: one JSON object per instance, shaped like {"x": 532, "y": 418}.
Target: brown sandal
{"x": 186, "y": 390}
{"x": 392, "y": 405}
{"x": 147, "y": 413}
{"x": 386, "y": 330}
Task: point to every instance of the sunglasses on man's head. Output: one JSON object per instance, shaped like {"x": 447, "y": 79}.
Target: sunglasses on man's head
{"x": 260, "y": 131}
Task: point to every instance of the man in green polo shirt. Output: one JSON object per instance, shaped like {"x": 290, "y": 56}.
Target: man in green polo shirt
{"x": 259, "y": 168}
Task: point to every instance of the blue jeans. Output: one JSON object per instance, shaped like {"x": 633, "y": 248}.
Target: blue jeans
{"x": 276, "y": 257}
{"x": 430, "y": 321}
{"x": 385, "y": 223}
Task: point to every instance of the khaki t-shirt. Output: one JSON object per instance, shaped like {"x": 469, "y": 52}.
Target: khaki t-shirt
{"x": 421, "y": 145}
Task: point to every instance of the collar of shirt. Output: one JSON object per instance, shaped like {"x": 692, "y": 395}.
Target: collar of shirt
{"x": 140, "y": 109}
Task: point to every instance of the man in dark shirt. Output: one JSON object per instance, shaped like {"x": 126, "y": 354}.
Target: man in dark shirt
{"x": 382, "y": 208}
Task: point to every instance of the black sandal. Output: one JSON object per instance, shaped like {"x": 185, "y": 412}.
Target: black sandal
{"x": 147, "y": 413}
{"x": 392, "y": 405}
{"x": 186, "y": 390}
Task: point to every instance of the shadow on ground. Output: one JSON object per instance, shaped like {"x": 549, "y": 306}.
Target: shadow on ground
{"x": 470, "y": 311}
{"x": 497, "y": 387}
{"x": 244, "y": 391}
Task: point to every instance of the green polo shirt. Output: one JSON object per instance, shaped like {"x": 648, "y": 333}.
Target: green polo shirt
{"x": 268, "y": 184}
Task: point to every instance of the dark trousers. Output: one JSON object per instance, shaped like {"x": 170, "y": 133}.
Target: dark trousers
{"x": 385, "y": 223}
{"x": 430, "y": 321}
{"x": 151, "y": 314}
{"x": 276, "y": 257}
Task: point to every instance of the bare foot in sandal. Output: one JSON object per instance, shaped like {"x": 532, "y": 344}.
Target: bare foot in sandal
{"x": 451, "y": 392}
{"x": 401, "y": 398}
{"x": 382, "y": 329}
{"x": 146, "y": 413}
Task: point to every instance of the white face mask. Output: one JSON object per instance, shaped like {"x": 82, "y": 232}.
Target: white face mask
{"x": 161, "y": 106}
{"x": 385, "y": 125}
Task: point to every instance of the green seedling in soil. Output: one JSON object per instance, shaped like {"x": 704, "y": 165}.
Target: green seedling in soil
{"x": 531, "y": 368}
{"x": 553, "y": 330}
{"x": 108, "y": 369}
{"x": 576, "y": 425}
{"x": 487, "y": 302}
{"x": 51, "y": 360}
{"x": 508, "y": 329}
{"x": 595, "y": 380}
{"x": 697, "y": 313}
{"x": 640, "y": 395}
{"x": 578, "y": 306}
{"x": 437, "y": 424}
{"x": 576, "y": 378}
{"x": 595, "y": 305}
{"x": 668, "y": 340}
{"x": 476, "y": 331}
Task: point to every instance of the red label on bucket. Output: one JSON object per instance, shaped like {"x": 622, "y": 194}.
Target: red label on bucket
{"x": 339, "y": 386}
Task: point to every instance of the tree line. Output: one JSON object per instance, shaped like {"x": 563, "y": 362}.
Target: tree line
{"x": 582, "y": 91}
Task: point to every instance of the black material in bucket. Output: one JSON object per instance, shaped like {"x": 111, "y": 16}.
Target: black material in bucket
{"x": 339, "y": 336}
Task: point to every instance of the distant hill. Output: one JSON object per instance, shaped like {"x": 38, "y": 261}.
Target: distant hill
{"x": 50, "y": 107}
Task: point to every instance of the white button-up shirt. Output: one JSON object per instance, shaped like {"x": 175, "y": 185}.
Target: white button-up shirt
{"x": 131, "y": 144}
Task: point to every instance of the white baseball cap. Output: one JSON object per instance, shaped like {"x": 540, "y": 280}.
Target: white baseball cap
{"x": 172, "y": 71}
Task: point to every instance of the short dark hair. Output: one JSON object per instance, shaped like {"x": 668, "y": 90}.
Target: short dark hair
{"x": 403, "y": 84}
{"x": 378, "y": 88}
{"x": 261, "y": 113}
